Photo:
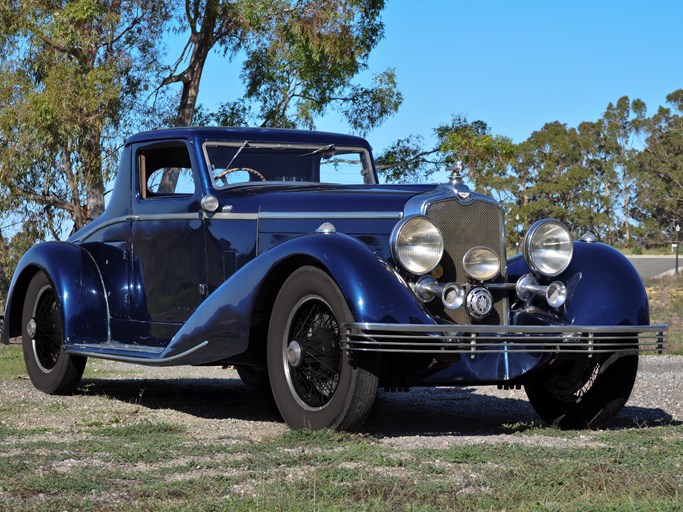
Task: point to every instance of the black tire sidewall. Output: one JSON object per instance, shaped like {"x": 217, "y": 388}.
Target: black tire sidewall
{"x": 605, "y": 398}
{"x": 307, "y": 281}
{"x": 52, "y": 382}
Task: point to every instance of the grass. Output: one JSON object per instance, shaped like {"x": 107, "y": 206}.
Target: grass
{"x": 666, "y": 307}
{"x": 11, "y": 362}
{"x": 95, "y": 453}
{"x": 634, "y": 470}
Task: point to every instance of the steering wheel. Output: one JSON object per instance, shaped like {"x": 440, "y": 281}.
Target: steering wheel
{"x": 224, "y": 173}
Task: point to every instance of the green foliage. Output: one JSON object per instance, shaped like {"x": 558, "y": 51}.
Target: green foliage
{"x": 300, "y": 59}
{"x": 11, "y": 362}
{"x": 71, "y": 79}
{"x": 594, "y": 178}
{"x": 485, "y": 155}
{"x": 660, "y": 171}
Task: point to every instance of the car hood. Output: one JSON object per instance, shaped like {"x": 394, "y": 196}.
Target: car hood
{"x": 317, "y": 198}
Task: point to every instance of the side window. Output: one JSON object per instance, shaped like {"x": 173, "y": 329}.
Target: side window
{"x": 165, "y": 170}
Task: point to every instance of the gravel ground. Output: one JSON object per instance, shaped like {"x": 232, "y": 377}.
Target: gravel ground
{"x": 214, "y": 404}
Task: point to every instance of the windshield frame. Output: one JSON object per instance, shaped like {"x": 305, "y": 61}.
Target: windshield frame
{"x": 369, "y": 173}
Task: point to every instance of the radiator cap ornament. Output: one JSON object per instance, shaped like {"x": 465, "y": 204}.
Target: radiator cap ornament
{"x": 455, "y": 179}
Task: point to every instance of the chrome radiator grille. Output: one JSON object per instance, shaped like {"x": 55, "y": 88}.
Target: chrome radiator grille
{"x": 463, "y": 226}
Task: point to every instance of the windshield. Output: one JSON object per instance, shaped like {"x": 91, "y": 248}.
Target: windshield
{"x": 241, "y": 162}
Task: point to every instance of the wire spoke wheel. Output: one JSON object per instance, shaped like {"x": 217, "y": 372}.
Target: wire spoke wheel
{"x": 48, "y": 335}
{"x": 51, "y": 369}
{"x": 313, "y": 355}
{"x": 313, "y": 382}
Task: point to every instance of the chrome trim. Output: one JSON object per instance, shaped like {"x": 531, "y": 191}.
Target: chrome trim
{"x": 166, "y": 216}
{"x": 468, "y": 267}
{"x": 589, "y": 237}
{"x": 230, "y": 216}
{"x": 393, "y": 242}
{"x": 479, "y": 302}
{"x": 241, "y": 216}
{"x": 526, "y": 245}
{"x": 210, "y": 203}
{"x": 417, "y": 205}
{"x": 139, "y": 360}
{"x": 89, "y": 230}
{"x": 427, "y": 288}
{"x": 495, "y": 339}
{"x": 329, "y": 215}
{"x": 326, "y": 228}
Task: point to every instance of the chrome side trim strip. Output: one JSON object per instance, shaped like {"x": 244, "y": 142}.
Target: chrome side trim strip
{"x": 330, "y": 215}
{"x": 110, "y": 222}
{"x": 241, "y": 216}
{"x": 139, "y": 360}
{"x": 230, "y": 216}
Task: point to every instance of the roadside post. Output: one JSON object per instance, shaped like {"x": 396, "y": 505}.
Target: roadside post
{"x": 678, "y": 231}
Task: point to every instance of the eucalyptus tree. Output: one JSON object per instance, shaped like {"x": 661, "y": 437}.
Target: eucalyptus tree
{"x": 660, "y": 170}
{"x": 299, "y": 58}
{"x": 621, "y": 123}
{"x": 484, "y": 155}
{"x": 71, "y": 79}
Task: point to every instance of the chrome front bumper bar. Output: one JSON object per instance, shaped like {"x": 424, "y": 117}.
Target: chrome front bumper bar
{"x": 496, "y": 339}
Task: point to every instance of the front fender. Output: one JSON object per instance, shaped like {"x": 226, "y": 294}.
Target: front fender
{"x": 373, "y": 294}
{"x": 603, "y": 287}
{"x": 76, "y": 281}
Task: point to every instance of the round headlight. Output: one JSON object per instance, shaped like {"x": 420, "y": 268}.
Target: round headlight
{"x": 417, "y": 245}
{"x": 481, "y": 263}
{"x": 548, "y": 247}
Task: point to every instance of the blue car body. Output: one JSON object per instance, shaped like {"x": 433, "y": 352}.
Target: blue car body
{"x": 160, "y": 279}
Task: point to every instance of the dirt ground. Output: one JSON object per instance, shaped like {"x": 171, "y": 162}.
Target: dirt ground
{"x": 213, "y": 403}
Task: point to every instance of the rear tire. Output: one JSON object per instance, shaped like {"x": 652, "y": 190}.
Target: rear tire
{"x": 50, "y": 368}
{"x": 313, "y": 383}
{"x": 256, "y": 379}
{"x": 584, "y": 393}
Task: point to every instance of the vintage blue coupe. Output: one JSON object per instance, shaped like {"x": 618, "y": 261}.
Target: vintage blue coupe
{"x": 278, "y": 252}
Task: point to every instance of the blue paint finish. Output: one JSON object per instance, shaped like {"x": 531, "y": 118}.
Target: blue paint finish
{"x": 604, "y": 289}
{"x": 603, "y": 286}
{"x": 77, "y": 283}
{"x": 155, "y": 271}
{"x": 373, "y": 294}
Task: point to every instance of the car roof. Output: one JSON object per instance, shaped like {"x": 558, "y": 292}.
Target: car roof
{"x": 251, "y": 134}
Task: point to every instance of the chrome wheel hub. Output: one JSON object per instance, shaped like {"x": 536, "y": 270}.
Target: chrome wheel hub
{"x": 294, "y": 354}
{"x": 31, "y": 328}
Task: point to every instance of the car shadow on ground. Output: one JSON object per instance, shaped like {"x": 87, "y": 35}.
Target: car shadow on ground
{"x": 421, "y": 411}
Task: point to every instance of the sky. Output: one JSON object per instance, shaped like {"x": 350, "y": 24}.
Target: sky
{"x": 514, "y": 64}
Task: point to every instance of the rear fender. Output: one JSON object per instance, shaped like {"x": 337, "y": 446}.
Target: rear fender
{"x": 78, "y": 284}
{"x": 373, "y": 294}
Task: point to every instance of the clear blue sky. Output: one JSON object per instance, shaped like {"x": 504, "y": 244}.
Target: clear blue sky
{"x": 513, "y": 64}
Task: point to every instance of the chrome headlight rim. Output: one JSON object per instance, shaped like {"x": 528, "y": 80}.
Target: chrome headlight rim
{"x": 396, "y": 252}
{"x": 529, "y": 239}
{"x": 468, "y": 267}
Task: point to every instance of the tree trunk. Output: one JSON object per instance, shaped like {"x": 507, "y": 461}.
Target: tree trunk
{"x": 202, "y": 42}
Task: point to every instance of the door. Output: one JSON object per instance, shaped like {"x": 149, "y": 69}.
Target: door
{"x": 167, "y": 239}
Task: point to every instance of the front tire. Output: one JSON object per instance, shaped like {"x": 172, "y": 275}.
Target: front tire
{"x": 313, "y": 383}
{"x": 49, "y": 367}
{"x": 584, "y": 393}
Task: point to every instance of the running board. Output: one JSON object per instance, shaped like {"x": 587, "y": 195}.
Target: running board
{"x": 135, "y": 359}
